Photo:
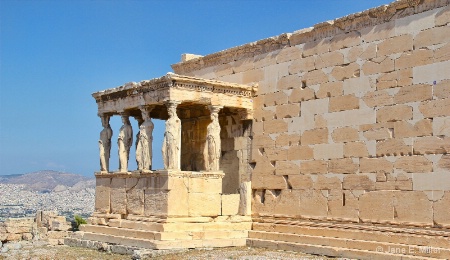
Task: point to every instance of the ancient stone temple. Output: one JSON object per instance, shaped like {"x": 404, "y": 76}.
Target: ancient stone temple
{"x": 332, "y": 140}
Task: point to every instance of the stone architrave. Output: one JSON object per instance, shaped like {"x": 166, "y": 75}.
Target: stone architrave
{"x": 144, "y": 141}
{"x": 124, "y": 141}
{"x": 171, "y": 149}
{"x": 212, "y": 151}
{"x": 104, "y": 143}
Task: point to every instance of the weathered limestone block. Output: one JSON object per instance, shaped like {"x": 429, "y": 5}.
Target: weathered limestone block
{"x": 355, "y": 149}
{"x": 201, "y": 204}
{"x": 413, "y": 207}
{"x": 443, "y": 17}
{"x": 329, "y": 59}
{"x": 431, "y": 145}
{"x": 377, "y": 206}
{"x": 366, "y": 52}
{"x": 286, "y": 139}
{"x": 413, "y": 93}
{"x": 230, "y": 204}
{"x": 345, "y": 40}
{"x": 415, "y": 58}
{"x": 276, "y": 153}
{"x": 262, "y": 114}
{"x": 281, "y": 202}
{"x": 330, "y": 89}
{"x": 264, "y": 167}
{"x": 275, "y": 126}
{"x": 378, "y": 133}
{"x": 393, "y": 147}
{"x": 432, "y": 36}
{"x": 442, "y": 54}
{"x": 245, "y": 201}
{"x": 251, "y": 76}
{"x": 291, "y": 81}
{"x": 313, "y": 204}
{"x": 315, "y": 47}
{"x": 342, "y": 205}
{"x": 315, "y": 136}
{"x": 421, "y": 128}
{"x": 345, "y": 134}
{"x": 268, "y": 182}
{"x": 301, "y": 94}
{"x": 300, "y": 182}
{"x": 257, "y": 128}
{"x": 346, "y": 102}
{"x": 378, "y": 98}
{"x": 357, "y": 86}
{"x": 345, "y": 165}
{"x": 381, "y": 64}
{"x": 102, "y": 195}
{"x": 3, "y": 233}
{"x": 327, "y": 182}
{"x": 357, "y": 182}
{"x": 288, "y": 54}
{"x": 435, "y": 108}
{"x": 315, "y": 77}
{"x": 431, "y": 181}
{"x": 328, "y": 151}
{"x": 314, "y": 107}
{"x": 394, "y": 113}
{"x": 261, "y": 141}
{"x": 414, "y": 164}
{"x": 135, "y": 195}
{"x": 118, "y": 196}
{"x": 444, "y": 162}
{"x": 277, "y": 98}
{"x": 378, "y": 32}
{"x": 205, "y": 185}
{"x": 288, "y": 111}
{"x": 368, "y": 165}
{"x": 286, "y": 168}
{"x": 314, "y": 167}
{"x": 442, "y": 89}
{"x": 395, "y": 44}
{"x": 351, "y": 118}
{"x": 300, "y": 153}
{"x": 156, "y": 202}
{"x": 440, "y": 210}
{"x": 343, "y": 72}
{"x": 302, "y": 65}
{"x": 427, "y": 74}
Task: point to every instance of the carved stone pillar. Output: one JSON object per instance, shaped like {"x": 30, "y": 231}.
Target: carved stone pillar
{"x": 104, "y": 143}
{"x": 144, "y": 140}
{"x": 171, "y": 149}
{"x": 212, "y": 151}
{"x": 124, "y": 142}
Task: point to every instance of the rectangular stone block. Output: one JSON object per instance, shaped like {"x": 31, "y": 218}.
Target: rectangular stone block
{"x": 393, "y": 147}
{"x": 327, "y": 182}
{"x": 415, "y": 58}
{"x": 118, "y": 196}
{"x": 302, "y": 65}
{"x": 377, "y": 65}
{"x": 268, "y": 182}
{"x": 394, "y": 113}
{"x": 328, "y": 151}
{"x": 340, "y": 73}
{"x": 201, "y": 204}
{"x": 315, "y": 77}
{"x": 316, "y": 136}
{"x": 277, "y": 98}
{"x": 442, "y": 89}
{"x": 358, "y": 182}
{"x": 135, "y": 195}
{"x": 421, "y": 128}
{"x": 343, "y": 206}
{"x": 434, "y": 108}
{"x": 427, "y": 74}
{"x": 432, "y": 36}
{"x": 275, "y": 126}
{"x": 300, "y": 153}
{"x": 254, "y": 75}
{"x": 290, "y": 81}
{"x": 377, "y": 206}
{"x": 300, "y": 182}
{"x": 345, "y": 134}
{"x": 156, "y": 202}
{"x": 395, "y": 44}
{"x": 314, "y": 167}
{"x": 286, "y": 168}
{"x": 431, "y": 145}
{"x": 355, "y": 149}
{"x": 102, "y": 195}
{"x": 346, "y": 102}
{"x": 413, "y": 207}
{"x": 286, "y": 139}
{"x": 329, "y": 59}
{"x": 345, "y": 40}
{"x": 345, "y": 165}
{"x": 301, "y": 94}
{"x": 350, "y": 117}
{"x": 414, "y": 164}
{"x": 441, "y": 126}
{"x": 230, "y": 204}
{"x": 288, "y": 111}
{"x": 357, "y": 86}
{"x": 413, "y": 93}
{"x": 330, "y": 89}
{"x": 442, "y": 53}
{"x": 205, "y": 185}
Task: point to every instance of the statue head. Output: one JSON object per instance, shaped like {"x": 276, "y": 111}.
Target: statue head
{"x": 125, "y": 119}
{"x": 105, "y": 120}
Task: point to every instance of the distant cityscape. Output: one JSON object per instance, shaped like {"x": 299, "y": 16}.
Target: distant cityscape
{"x": 16, "y": 201}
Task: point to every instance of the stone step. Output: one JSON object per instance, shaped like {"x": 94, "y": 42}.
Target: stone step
{"x": 359, "y": 233}
{"x": 351, "y": 244}
{"x": 329, "y": 250}
{"x": 168, "y": 244}
{"x": 155, "y": 235}
{"x": 181, "y": 226}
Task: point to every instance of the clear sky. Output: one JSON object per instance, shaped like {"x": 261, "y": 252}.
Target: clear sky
{"x": 54, "y": 54}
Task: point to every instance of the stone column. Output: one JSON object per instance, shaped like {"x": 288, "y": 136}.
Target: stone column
{"x": 212, "y": 151}
{"x": 144, "y": 140}
{"x": 124, "y": 141}
{"x": 104, "y": 143}
{"x": 171, "y": 149}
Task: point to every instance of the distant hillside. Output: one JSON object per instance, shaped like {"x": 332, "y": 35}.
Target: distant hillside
{"x": 48, "y": 180}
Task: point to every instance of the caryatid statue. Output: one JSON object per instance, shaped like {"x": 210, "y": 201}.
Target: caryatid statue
{"x": 171, "y": 149}
{"x": 145, "y": 140}
{"x": 124, "y": 141}
{"x": 104, "y": 143}
{"x": 212, "y": 151}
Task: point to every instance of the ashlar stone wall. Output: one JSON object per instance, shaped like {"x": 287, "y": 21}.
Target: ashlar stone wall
{"x": 352, "y": 116}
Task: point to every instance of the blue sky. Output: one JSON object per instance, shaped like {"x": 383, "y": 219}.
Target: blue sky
{"x": 54, "y": 54}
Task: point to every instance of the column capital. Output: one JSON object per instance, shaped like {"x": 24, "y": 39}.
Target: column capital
{"x": 214, "y": 108}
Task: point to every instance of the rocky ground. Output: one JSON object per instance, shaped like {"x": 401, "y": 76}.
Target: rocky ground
{"x": 40, "y": 250}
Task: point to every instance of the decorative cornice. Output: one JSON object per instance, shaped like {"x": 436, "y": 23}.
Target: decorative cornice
{"x": 353, "y": 22}
{"x": 171, "y": 80}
